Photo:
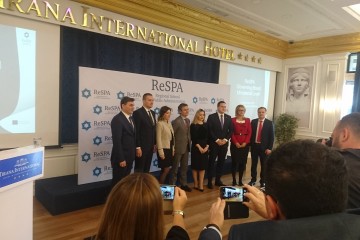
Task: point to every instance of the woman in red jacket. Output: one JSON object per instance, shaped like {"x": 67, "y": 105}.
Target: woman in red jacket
{"x": 240, "y": 141}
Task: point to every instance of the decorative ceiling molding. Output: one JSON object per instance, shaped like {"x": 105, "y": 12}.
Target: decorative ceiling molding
{"x": 168, "y": 13}
{"x": 326, "y": 45}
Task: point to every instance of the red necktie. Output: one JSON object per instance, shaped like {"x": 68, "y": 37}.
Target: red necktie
{"x": 258, "y": 139}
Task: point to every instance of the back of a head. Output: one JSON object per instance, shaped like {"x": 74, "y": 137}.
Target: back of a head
{"x": 306, "y": 179}
{"x": 351, "y": 121}
{"x": 133, "y": 210}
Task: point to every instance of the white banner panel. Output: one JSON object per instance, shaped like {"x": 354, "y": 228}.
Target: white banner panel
{"x": 100, "y": 92}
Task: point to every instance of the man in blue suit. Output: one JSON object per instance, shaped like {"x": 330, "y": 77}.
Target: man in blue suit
{"x": 262, "y": 140}
{"x": 220, "y": 129}
{"x": 123, "y": 136}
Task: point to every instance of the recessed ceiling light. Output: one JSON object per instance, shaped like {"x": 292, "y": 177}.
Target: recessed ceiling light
{"x": 353, "y": 10}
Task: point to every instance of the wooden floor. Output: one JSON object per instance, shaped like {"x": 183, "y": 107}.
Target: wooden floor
{"x": 82, "y": 223}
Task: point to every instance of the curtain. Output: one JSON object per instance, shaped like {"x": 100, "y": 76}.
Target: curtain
{"x": 356, "y": 97}
{"x": 87, "y": 49}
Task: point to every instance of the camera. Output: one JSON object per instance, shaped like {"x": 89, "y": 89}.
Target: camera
{"x": 167, "y": 191}
{"x": 234, "y": 197}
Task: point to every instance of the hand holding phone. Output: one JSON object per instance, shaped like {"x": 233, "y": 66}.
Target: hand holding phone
{"x": 234, "y": 198}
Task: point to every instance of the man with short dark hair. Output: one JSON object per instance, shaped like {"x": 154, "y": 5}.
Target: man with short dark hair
{"x": 145, "y": 122}
{"x": 220, "y": 129}
{"x": 181, "y": 126}
{"x": 306, "y": 188}
{"x": 346, "y": 137}
{"x": 262, "y": 140}
{"x": 123, "y": 137}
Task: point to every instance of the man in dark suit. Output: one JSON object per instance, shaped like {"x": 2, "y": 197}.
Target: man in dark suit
{"x": 181, "y": 126}
{"x": 220, "y": 129}
{"x": 262, "y": 140}
{"x": 306, "y": 189}
{"x": 123, "y": 137}
{"x": 145, "y": 123}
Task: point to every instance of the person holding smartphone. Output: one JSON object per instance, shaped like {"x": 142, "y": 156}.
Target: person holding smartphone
{"x": 134, "y": 210}
{"x": 306, "y": 189}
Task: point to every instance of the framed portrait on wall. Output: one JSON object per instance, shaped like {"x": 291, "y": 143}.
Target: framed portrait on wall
{"x": 300, "y": 82}
{"x": 352, "y": 62}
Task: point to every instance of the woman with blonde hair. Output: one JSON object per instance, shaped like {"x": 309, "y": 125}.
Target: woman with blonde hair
{"x": 240, "y": 142}
{"x": 199, "y": 149}
{"x": 134, "y": 211}
{"x": 165, "y": 142}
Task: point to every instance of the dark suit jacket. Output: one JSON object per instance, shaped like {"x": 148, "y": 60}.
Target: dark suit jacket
{"x": 342, "y": 226}
{"x": 145, "y": 131}
{"x": 182, "y": 135}
{"x": 215, "y": 130}
{"x": 267, "y": 133}
{"x": 123, "y": 137}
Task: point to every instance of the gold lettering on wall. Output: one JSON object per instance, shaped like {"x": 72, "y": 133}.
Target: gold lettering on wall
{"x": 99, "y": 23}
{"x": 68, "y": 15}
{"x": 34, "y": 6}
{"x": 54, "y": 13}
{"x": 13, "y": 4}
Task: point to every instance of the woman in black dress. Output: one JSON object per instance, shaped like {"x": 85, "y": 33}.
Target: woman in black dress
{"x": 199, "y": 149}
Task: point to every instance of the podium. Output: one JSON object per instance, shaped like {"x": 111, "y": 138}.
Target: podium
{"x": 18, "y": 169}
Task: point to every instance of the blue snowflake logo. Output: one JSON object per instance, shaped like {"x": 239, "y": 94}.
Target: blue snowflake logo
{"x": 195, "y": 100}
{"x": 120, "y": 95}
{"x": 97, "y": 109}
{"x": 213, "y": 100}
{"x": 156, "y": 163}
{"x": 86, "y": 93}
{"x": 97, "y": 171}
{"x": 157, "y": 111}
{"x": 97, "y": 140}
{"x": 85, "y": 157}
{"x": 86, "y": 125}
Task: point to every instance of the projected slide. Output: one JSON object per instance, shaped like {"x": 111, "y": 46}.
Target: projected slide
{"x": 251, "y": 87}
{"x": 17, "y": 80}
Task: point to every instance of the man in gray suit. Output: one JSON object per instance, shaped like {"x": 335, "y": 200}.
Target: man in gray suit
{"x": 181, "y": 126}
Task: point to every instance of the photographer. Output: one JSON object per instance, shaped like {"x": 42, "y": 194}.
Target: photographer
{"x": 306, "y": 188}
{"x": 134, "y": 210}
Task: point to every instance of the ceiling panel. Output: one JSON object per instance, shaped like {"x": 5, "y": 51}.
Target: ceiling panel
{"x": 285, "y": 19}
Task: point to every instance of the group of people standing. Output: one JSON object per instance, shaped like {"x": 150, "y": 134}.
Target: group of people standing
{"x": 138, "y": 134}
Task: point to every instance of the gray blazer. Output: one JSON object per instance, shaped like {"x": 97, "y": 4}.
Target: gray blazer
{"x": 182, "y": 135}
{"x": 164, "y": 132}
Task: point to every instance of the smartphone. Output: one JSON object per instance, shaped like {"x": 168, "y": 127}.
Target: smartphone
{"x": 167, "y": 191}
{"x": 233, "y": 194}
{"x": 234, "y": 197}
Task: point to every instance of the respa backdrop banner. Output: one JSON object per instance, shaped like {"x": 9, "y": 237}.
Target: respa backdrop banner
{"x": 100, "y": 92}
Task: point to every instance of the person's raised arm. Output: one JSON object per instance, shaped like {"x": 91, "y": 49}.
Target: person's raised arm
{"x": 213, "y": 230}
{"x": 179, "y": 203}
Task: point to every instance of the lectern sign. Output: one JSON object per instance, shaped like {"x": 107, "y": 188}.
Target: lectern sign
{"x": 20, "y": 165}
